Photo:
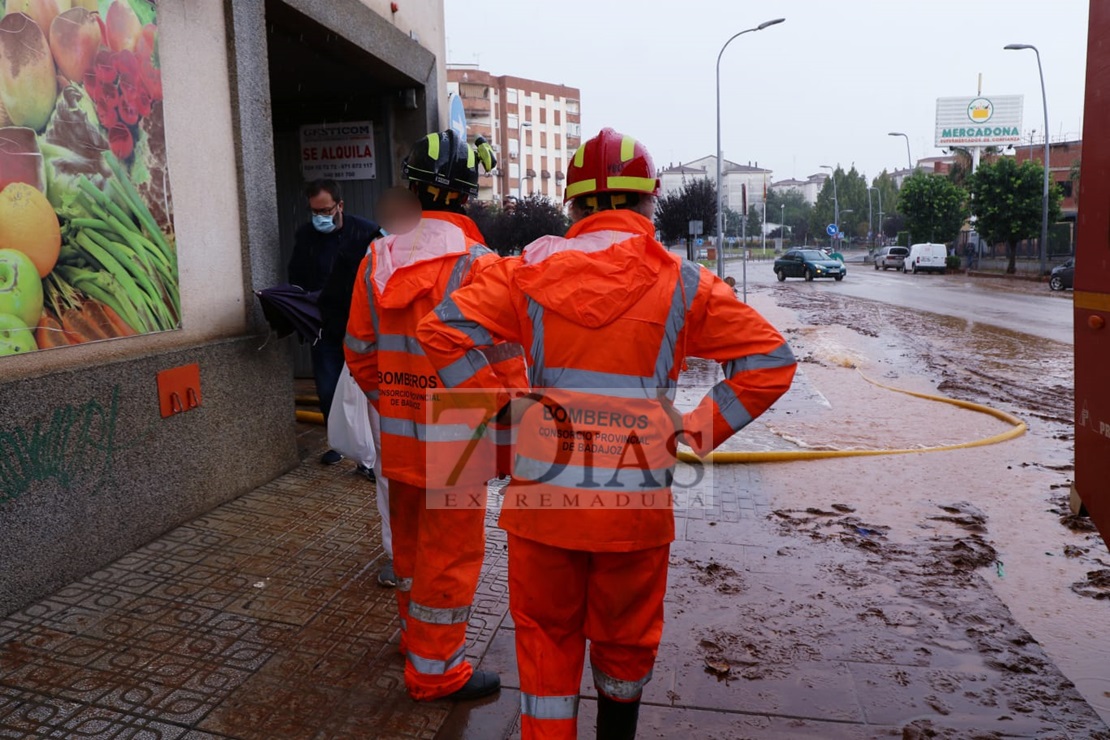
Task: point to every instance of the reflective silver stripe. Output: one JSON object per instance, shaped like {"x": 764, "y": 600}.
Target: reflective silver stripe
{"x": 448, "y": 312}
{"x": 685, "y": 289}
{"x": 691, "y": 277}
{"x": 404, "y": 624}
{"x": 462, "y": 266}
{"x": 615, "y": 688}
{"x": 781, "y": 357}
{"x": 438, "y": 615}
{"x": 612, "y": 385}
{"x": 431, "y": 667}
{"x": 730, "y": 407}
{"x": 359, "y": 345}
{"x": 400, "y": 343}
{"x": 536, "y": 369}
{"x": 372, "y": 395}
{"x": 370, "y": 296}
{"x": 475, "y": 360}
{"x": 462, "y": 369}
{"x": 428, "y": 432}
{"x": 404, "y": 584}
{"x": 619, "y": 480}
{"x": 549, "y": 707}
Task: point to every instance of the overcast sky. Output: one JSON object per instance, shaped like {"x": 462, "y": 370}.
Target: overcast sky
{"x": 825, "y": 87}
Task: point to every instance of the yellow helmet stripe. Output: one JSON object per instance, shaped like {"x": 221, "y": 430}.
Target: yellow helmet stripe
{"x": 433, "y": 146}
{"x": 628, "y": 148}
{"x": 639, "y": 184}
{"x": 469, "y": 157}
{"x": 582, "y": 186}
{"x": 580, "y": 156}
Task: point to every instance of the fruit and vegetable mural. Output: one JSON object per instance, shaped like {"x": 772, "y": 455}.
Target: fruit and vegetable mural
{"x": 87, "y": 248}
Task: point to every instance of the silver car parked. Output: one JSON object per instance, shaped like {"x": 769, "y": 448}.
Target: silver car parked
{"x": 889, "y": 257}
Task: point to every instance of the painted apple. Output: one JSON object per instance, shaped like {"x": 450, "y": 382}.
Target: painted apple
{"x": 20, "y": 287}
{"x": 15, "y": 337}
{"x": 75, "y": 37}
{"x": 28, "y": 83}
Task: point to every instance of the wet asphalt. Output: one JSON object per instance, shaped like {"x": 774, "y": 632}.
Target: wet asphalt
{"x": 800, "y": 605}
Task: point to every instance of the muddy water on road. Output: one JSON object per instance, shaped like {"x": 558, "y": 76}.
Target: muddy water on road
{"x": 1051, "y": 572}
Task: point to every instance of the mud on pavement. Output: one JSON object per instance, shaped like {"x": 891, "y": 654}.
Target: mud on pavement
{"x": 943, "y": 556}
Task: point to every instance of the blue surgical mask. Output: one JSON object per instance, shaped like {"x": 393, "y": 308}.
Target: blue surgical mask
{"x": 323, "y": 224}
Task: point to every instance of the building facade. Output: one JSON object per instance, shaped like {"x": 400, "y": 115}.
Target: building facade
{"x": 808, "y": 188}
{"x": 534, "y": 128}
{"x": 739, "y": 183}
{"x": 1063, "y": 160}
{"x": 105, "y": 445}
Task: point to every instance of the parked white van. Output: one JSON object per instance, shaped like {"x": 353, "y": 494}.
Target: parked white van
{"x": 926, "y": 258}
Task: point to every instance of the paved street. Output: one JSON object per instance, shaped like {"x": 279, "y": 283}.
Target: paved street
{"x": 804, "y": 601}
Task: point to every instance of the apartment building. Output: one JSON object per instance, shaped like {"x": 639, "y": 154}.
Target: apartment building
{"x": 533, "y": 126}
{"x": 740, "y": 183}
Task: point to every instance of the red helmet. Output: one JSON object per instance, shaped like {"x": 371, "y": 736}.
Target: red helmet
{"x": 609, "y": 163}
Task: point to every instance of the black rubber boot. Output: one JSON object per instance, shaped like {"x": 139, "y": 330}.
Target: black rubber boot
{"x": 481, "y": 683}
{"x": 616, "y": 720}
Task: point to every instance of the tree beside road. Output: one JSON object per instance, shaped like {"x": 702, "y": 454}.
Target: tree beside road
{"x": 934, "y": 207}
{"x": 1006, "y": 200}
{"x": 696, "y": 201}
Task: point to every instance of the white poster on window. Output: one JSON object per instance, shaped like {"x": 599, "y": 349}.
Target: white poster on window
{"x": 340, "y": 151}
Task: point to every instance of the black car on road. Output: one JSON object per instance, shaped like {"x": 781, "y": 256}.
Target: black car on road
{"x": 808, "y": 264}
{"x": 1062, "y": 275}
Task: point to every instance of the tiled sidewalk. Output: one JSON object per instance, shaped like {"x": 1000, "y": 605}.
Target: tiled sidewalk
{"x": 261, "y": 619}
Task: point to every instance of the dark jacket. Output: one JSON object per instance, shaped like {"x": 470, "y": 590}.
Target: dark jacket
{"x": 329, "y": 263}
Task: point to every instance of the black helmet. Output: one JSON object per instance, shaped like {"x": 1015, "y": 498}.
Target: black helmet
{"x": 446, "y": 160}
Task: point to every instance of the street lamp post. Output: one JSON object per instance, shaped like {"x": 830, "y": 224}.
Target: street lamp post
{"x": 522, "y": 167}
{"x": 841, "y": 231}
{"x": 720, "y": 214}
{"x": 880, "y": 194}
{"x": 870, "y": 220}
{"x": 909, "y": 161}
{"x": 763, "y": 228}
{"x": 782, "y": 223}
{"x": 836, "y": 202}
{"x": 1044, "y": 195}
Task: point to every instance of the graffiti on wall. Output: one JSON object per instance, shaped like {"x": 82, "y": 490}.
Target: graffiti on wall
{"x": 87, "y": 244}
{"x": 74, "y": 447}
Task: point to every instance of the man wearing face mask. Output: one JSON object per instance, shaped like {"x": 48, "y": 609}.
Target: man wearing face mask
{"x": 326, "y": 256}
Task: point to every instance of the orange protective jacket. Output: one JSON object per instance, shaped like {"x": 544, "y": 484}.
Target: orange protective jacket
{"x": 403, "y": 277}
{"x": 607, "y": 317}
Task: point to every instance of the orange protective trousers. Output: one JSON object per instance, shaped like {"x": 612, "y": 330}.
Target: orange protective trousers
{"x": 560, "y": 598}
{"x": 437, "y": 557}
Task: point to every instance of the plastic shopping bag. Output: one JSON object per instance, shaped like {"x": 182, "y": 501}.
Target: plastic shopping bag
{"x": 349, "y": 423}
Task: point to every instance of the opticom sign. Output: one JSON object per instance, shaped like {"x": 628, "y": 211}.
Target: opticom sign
{"x": 979, "y": 120}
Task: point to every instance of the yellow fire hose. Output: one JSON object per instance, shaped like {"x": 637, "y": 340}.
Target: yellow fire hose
{"x": 1018, "y": 428}
{"x": 310, "y": 417}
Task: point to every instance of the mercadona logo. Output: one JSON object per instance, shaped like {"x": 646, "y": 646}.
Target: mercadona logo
{"x": 980, "y": 110}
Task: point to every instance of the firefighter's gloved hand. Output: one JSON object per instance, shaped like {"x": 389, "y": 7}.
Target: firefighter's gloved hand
{"x": 485, "y": 154}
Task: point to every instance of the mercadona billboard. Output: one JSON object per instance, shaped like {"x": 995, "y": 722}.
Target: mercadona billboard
{"x": 979, "y": 120}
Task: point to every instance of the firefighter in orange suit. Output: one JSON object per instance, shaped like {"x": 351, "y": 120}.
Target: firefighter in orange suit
{"x": 606, "y": 317}
{"x": 437, "y": 551}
